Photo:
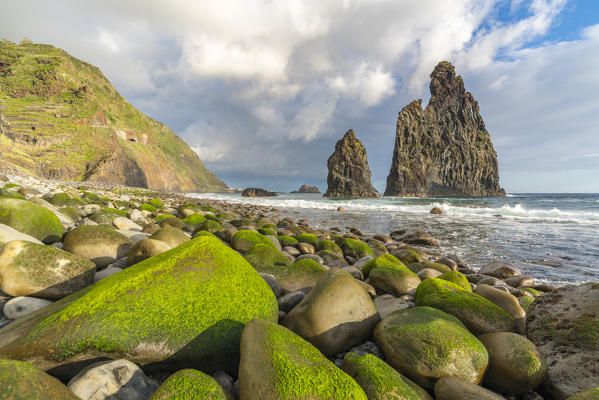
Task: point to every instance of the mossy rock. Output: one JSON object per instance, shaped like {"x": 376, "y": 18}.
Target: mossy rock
{"x": 458, "y": 278}
{"x": 90, "y": 197}
{"x": 211, "y": 217}
{"x": 11, "y": 194}
{"x": 242, "y": 222}
{"x": 64, "y": 199}
{"x": 12, "y": 186}
{"x": 244, "y": 240}
{"x": 301, "y": 275}
{"x": 476, "y": 312}
{"x": 31, "y": 218}
{"x": 307, "y": 238}
{"x": 156, "y": 203}
{"x": 30, "y": 269}
{"x": 174, "y": 222}
{"x": 426, "y": 344}
{"x": 408, "y": 256}
{"x": 394, "y": 279}
{"x": 265, "y": 258}
{"x": 532, "y": 291}
{"x": 147, "y": 207}
{"x": 71, "y": 212}
{"x": 97, "y": 243}
{"x": 194, "y": 220}
{"x": 22, "y": 381}
{"x": 161, "y": 217}
{"x": 107, "y": 215}
{"x": 332, "y": 258}
{"x": 525, "y": 301}
{"x": 267, "y": 231}
{"x": 269, "y": 225}
{"x": 204, "y": 233}
{"x": 419, "y": 266}
{"x": 590, "y": 394}
{"x": 356, "y": 249}
{"x": 380, "y": 381}
{"x": 277, "y": 364}
{"x": 287, "y": 240}
{"x": 211, "y": 226}
{"x": 171, "y": 235}
{"x": 189, "y": 384}
{"x": 385, "y": 260}
{"x": 185, "y": 308}
{"x": 330, "y": 246}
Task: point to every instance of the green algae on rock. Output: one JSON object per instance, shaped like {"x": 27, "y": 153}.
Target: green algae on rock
{"x": 394, "y": 279}
{"x": 22, "y": 381}
{"x": 419, "y": 266}
{"x": 300, "y": 275}
{"x": 426, "y": 344}
{"x": 330, "y": 246}
{"x": 277, "y": 364}
{"x": 458, "y": 278}
{"x": 307, "y": 238}
{"x": 244, "y": 240}
{"x": 476, "y": 312}
{"x": 182, "y": 308}
{"x": 31, "y": 218}
{"x": 381, "y": 261}
{"x": 265, "y": 258}
{"x": 380, "y": 381}
{"x": 356, "y": 248}
{"x": 190, "y": 384}
{"x": 107, "y": 215}
{"x": 30, "y": 269}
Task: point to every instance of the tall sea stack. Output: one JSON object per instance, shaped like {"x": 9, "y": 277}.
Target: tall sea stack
{"x": 349, "y": 174}
{"x": 443, "y": 150}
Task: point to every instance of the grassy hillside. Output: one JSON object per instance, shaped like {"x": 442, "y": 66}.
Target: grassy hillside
{"x": 61, "y": 118}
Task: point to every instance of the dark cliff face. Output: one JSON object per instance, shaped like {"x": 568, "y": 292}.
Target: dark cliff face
{"x": 443, "y": 150}
{"x": 349, "y": 174}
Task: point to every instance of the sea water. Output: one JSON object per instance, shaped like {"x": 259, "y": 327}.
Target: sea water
{"x": 551, "y": 237}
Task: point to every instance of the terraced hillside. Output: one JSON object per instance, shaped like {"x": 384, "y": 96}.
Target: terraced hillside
{"x": 61, "y": 118}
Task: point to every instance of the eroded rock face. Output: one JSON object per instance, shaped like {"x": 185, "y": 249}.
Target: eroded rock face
{"x": 349, "y": 173}
{"x": 445, "y": 149}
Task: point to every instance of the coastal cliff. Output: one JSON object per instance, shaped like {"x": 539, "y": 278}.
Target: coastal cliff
{"x": 444, "y": 149}
{"x": 60, "y": 118}
{"x": 349, "y": 173}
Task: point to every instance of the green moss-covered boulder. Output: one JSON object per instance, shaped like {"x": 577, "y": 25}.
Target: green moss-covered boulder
{"x": 171, "y": 235}
{"x": 174, "y": 222}
{"x": 71, "y": 212}
{"x": 12, "y": 194}
{"x": 408, "y": 256}
{"x": 194, "y": 220}
{"x": 419, "y": 266}
{"x": 307, "y": 238}
{"x": 204, "y": 233}
{"x": 301, "y": 275}
{"x": 265, "y": 258}
{"x": 267, "y": 231}
{"x": 590, "y": 394}
{"x": 107, "y": 215}
{"x": 515, "y": 364}
{"x": 64, "y": 199}
{"x": 147, "y": 207}
{"x": 145, "y": 249}
{"x": 23, "y": 381}
{"x": 211, "y": 226}
{"x": 156, "y": 203}
{"x": 277, "y": 364}
{"x": 356, "y": 249}
{"x": 476, "y": 312}
{"x": 379, "y": 381}
{"x": 90, "y": 197}
{"x": 426, "y": 344}
{"x": 30, "y": 269}
{"x": 97, "y": 243}
{"x": 330, "y": 246}
{"x": 287, "y": 240}
{"x": 244, "y": 240}
{"x": 189, "y": 384}
{"x": 161, "y": 217}
{"x": 525, "y": 301}
{"x": 394, "y": 279}
{"x": 182, "y": 308}
{"x": 30, "y": 218}
{"x": 332, "y": 259}
{"x": 385, "y": 260}
{"x": 458, "y": 278}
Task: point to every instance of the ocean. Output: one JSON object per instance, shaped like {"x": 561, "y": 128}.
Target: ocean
{"x": 551, "y": 237}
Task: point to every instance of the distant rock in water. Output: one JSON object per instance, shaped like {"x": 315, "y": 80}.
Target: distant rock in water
{"x": 349, "y": 174}
{"x": 257, "y": 192}
{"x": 443, "y": 150}
{"x": 307, "y": 189}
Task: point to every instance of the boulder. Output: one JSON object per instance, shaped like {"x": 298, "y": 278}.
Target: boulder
{"x": 7, "y": 234}
{"x": 182, "y": 308}
{"x": 500, "y": 269}
{"x": 349, "y": 173}
{"x": 19, "y": 307}
{"x": 100, "y": 244}
{"x": 381, "y": 261}
{"x": 356, "y": 249}
{"x": 126, "y": 224}
{"x": 458, "y": 278}
{"x": 564, "y": 325}
{"x": 450, "y": 388}
{"x": 301, "y": 275}
{"x": 266, "y": 259}
{"x": 387, "y": 304}
{"x": 379, "y": 381}
{"x": 419, "y": 266}
{"x": 145, "y": 249}
{"x": 476, "y": 312}
{"x": 515, "y": 364}
{"x": 31, "y": 219}
{"x": 30, "y": 269}
{"x": 396, "y": 279}
{"x": 115, "y": 380}
{"x": 426, "y": 344}
{"x": 277, "y": 364}
{"x": 416, "y": 237}
{"x": 257, "y": 192}
{"x": 335, "y": 315}
{"x": 244, "y": 240}
{"x": 506, "y": 301}
{"x": 22, "y": 381}
{"x": 190, "y": 384}
{"x": 590, "y": 394}
{"x": 170, "y": 235}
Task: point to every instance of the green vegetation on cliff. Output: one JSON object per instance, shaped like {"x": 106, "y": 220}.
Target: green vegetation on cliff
{"x": 61, "y": 118}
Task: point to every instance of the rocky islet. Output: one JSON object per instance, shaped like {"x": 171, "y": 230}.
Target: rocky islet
{"x": 237, "y": 301}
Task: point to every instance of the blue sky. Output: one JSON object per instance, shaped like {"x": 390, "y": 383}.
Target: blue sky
{"x": 262, "y": 90}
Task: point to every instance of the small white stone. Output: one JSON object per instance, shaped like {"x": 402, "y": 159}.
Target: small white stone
{"x": 18, "y": 307}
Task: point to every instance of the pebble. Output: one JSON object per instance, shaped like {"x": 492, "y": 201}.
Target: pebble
{"x": 314, "y": 257}
{"x": 273, "y": 283}
{"x": 18, "y": 307}
{"x": 290, "y": 300}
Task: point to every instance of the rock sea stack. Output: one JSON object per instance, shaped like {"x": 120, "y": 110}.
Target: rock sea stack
{"x": 307, "y": 189}
{"x": 443, "y": 149}
{"x": 349, "y": 173}
{"x": 257, "y": 192}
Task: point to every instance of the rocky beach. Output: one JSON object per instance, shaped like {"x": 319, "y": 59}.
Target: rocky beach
{"x": 126, "y": 293}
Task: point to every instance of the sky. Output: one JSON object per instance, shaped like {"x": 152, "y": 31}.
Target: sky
{"x": 262, "y": 89}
